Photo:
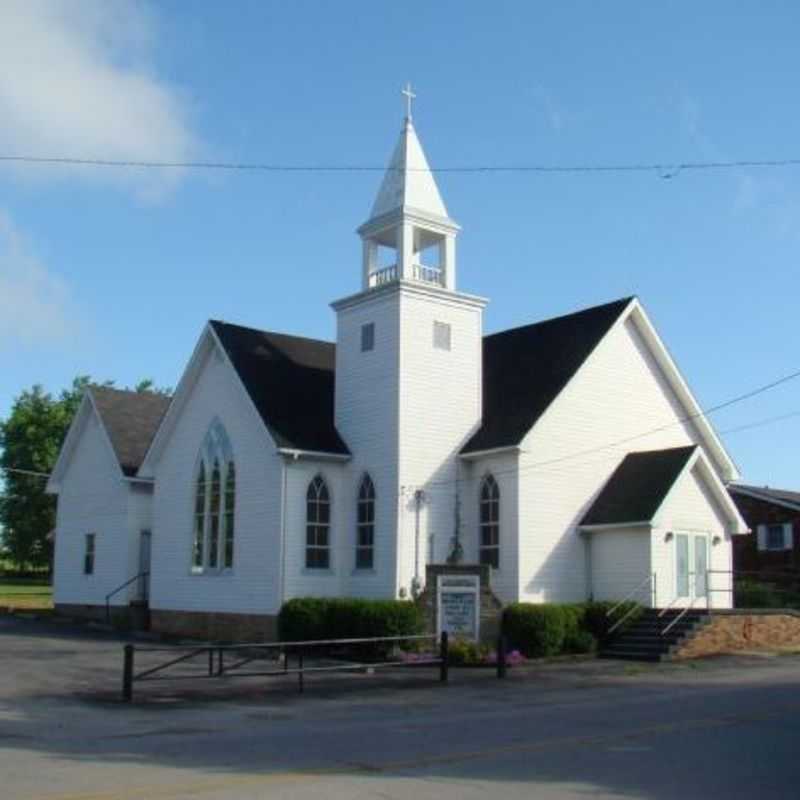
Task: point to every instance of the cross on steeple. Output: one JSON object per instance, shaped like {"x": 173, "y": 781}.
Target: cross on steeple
{"x": 409, "y": 97}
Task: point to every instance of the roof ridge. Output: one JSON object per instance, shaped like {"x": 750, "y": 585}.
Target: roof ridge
{"x": 622, "y": 301}
{"x": 264, "y": 332}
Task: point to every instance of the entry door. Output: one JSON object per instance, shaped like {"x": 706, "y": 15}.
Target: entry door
{"x": 144, "y": 564}
{"x": 700, "y": 566}
{"x": 691, "y": 565}
{"x": 682, "y": 564}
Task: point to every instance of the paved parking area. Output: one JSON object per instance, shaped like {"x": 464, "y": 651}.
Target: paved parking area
{"x": 722, "y": 728}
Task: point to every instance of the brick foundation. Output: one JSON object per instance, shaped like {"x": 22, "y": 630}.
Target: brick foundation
{"x": 742, "y": 629}
{"x": 215, "y": 626}
{"x": 89, "y": 612}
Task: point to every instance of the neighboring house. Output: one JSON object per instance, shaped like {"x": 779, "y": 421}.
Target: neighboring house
{"x": 568, "y": 455}
{"x": 774, "y": 517}
{"x": 104, "y": 515}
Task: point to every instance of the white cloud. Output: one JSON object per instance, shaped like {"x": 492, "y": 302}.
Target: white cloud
{"x": 77, "y": 79}
{"x": 35, "y": 304}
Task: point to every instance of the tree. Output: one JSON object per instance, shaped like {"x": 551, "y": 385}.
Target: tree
{"x": 30, "y": 440}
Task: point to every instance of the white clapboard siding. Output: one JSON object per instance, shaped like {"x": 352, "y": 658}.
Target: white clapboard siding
{"x": 619, "y": 393}
{"x": 252, "y": 585}
{"x": 92, "y": 498}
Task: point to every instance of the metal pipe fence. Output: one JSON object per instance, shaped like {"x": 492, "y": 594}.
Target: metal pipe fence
{"x": 213, "y": 661}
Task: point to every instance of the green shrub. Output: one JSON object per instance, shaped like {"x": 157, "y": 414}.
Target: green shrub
{"x": 579, "y": 641}
{"x": 538, "y": 630}
{"x": 752, "y": 594}
{"x": 314, "y": 618}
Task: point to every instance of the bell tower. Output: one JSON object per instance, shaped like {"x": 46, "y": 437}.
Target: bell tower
{"x": 409, "y": 235}
{"x": 408, "y": 371}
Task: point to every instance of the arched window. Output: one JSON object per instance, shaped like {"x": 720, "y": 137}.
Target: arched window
{"x": 230, "y": 502}
{"x": 199, "y": 518}
{"x": 365, "y": 525}
{"x": 490, "y": 522}
{"x": 215, "y": 499}
{"x": 318, "y": 523}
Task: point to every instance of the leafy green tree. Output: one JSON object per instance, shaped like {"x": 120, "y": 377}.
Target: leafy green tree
{"x": 30, "y": 440}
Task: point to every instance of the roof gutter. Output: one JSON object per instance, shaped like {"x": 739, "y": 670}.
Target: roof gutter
{"x": 295, "y": 454}
{"x": 492, "y": 451}
{"x": 606, "y": 526}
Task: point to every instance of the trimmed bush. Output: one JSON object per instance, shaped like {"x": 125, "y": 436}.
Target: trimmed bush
{"x": 313, "y": 618}
{"x": 538, "y": 630}
{"x": 579, "y": 641}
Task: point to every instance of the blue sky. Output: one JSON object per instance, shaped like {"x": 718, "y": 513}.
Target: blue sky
{"x": 113, "y": 272}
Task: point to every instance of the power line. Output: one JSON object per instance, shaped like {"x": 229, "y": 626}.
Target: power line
{"x": 761, "y": 423}
{"x": 610, "y": 445}
{"x": 664, "y": 169}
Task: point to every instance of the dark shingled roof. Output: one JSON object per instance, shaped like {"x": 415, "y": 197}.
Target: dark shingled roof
{"x": 131, "y": 420}
{"x": 638, "y": 486}
{"x": 768, "y": 493}
{"x": 525, "y": 369}
{"x": 290, "y": 381}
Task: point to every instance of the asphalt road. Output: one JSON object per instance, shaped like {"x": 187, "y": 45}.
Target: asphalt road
{"x": 725, "y": 728}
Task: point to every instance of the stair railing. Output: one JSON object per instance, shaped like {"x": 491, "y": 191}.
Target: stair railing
{"x": 119, "y": 588}
{"x": 693, "y": 598}
{"x": 649, "y": 580}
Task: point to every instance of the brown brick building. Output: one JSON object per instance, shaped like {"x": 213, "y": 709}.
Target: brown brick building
{"x": 772, "y": 551}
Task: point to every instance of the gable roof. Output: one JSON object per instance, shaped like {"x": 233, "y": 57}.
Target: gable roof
{"x": 782, "y": 497}
{"x": 131, "y": 420}
{"x": 525, "y": 369}
{"x": 638, "y": 487}
{"x": 290, "y": 381}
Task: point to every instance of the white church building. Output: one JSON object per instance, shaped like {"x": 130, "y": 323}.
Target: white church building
{"x": 569, "y": 455}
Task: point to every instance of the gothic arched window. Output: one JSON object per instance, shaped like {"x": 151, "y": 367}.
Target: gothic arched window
{"x": 490, "y": 522}
{"x": 318, "y": 523}
{"x": 214, "y": 503}
{"x": 365, "y": 525}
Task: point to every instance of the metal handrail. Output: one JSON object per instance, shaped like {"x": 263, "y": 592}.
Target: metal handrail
{"x": 679, "y": 617}
{"x": 649, "y": 579}
{"x": 119, "y": 589}
{"x": 692, "y": 600}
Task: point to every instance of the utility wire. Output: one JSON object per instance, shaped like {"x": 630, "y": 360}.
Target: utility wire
{"x": 665, "y": 169}
{"x": 702, "y": 413}
{"x": 761, "y": 423}
{"x": 610, "y": 445}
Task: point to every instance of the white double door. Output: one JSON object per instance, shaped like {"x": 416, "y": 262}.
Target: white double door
{"x": 691, "y": 565}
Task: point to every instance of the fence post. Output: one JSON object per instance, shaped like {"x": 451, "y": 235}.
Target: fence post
{"x": 444, "y": 655}
{"x": 300, "y": 670}
{"x": 127, "y": 674}
{"x": 501, "y": 656}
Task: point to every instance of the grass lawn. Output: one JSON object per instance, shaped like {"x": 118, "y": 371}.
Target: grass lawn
{"x": 27, "y": 593}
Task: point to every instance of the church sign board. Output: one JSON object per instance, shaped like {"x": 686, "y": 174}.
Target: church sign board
{"x": 458, "y": 606}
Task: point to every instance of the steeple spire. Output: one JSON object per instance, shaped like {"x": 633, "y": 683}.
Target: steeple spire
{"x": 410, "y": 217}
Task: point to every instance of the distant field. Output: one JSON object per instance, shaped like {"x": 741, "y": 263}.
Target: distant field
{"x": 27, "y": 593}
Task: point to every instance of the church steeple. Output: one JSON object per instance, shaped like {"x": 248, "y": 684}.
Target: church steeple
{"x": 409, "y": 221}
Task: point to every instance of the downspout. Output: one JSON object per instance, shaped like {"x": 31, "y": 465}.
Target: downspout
{"x": 419, "y": 499}
{"x": 284, "y": 473}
